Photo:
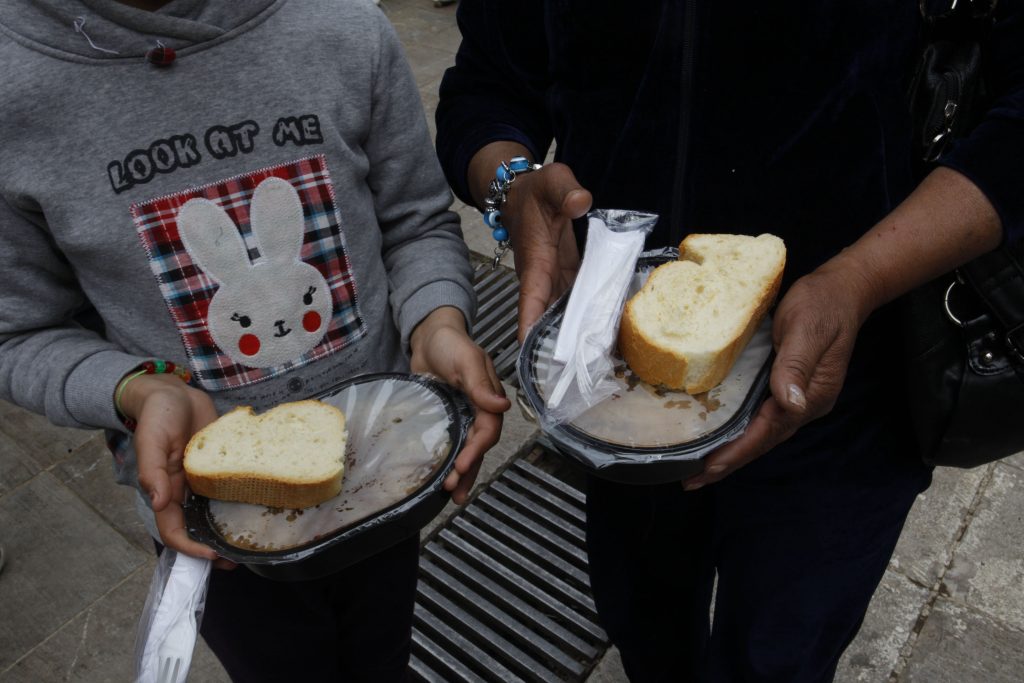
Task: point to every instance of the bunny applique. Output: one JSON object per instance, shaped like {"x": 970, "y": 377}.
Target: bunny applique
{"x": 254, "y": 271}
{"x": 266, "y": 312}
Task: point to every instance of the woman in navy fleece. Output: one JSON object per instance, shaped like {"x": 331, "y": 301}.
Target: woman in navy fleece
{"x": 744, "y": 117}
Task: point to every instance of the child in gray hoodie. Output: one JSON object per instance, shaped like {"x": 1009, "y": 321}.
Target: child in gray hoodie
{"x": 247, "y": 190}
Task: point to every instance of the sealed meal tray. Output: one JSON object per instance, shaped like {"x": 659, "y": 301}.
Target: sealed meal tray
{"x": 641, "y": 433}
{"x": 404, "y": 432}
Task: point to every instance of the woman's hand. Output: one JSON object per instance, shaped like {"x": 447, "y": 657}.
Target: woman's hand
{"x": 441, "y": 347}
{"x": 538, "y": 215}
{"x": 814, "y": 330}
{"x": 945, "y": 222}
{"x": 167, "y": 413}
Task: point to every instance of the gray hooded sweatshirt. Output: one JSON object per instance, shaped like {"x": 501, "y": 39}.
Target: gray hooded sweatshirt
{"x": 265, "y": 210}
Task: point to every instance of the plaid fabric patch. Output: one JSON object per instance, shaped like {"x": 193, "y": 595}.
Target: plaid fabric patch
{"x": 188, "y": 290}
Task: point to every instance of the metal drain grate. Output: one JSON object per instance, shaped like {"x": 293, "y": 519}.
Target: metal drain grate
{"x": 503, "y": 592}
{"x": 497, "y": 293}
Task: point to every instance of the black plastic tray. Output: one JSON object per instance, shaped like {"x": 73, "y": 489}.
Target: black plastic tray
{"x": 620, "y": 462}
{"x": 367, "y": 536}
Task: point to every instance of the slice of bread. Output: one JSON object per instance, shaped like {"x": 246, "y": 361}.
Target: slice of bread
{"x": 688, "y": 324}
{"x": 292, "y": 456}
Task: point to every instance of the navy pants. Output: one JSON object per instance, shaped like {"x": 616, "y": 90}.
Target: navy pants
{"x": 799, "y": 541}
{"x": 352, "y": 626}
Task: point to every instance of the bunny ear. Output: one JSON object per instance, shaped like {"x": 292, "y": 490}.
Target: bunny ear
{"x": 212, "y": 239}
{"x": 276, "y": 218}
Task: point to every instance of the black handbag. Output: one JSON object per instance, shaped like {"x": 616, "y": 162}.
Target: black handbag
{"x": 965, "y": 330}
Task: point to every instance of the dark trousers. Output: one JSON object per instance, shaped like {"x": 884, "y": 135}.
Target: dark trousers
{"x": 799, "y": 543}
{"x": 352, "y": 626}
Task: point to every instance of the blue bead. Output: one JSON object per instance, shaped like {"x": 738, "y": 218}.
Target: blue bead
{"x": 492, "y": 219}
{"x": 501, "y": 234}
{"x": 518, "y": 164}
{"x": 501, "y": 174}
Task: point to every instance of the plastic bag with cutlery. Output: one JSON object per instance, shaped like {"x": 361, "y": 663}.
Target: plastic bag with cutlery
{"x": 581, "y": 371}
{"x": 170, "y": 620}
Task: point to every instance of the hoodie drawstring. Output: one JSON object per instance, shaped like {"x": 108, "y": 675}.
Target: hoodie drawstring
{"x": 80, "y": 28}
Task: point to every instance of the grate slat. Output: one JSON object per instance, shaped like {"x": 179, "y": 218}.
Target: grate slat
{"x": 570, "y": 594}
{"x": 554, "y": 535}
{"x": 442, "y": 562}
{"x": 504, "y": 590}
{"x": 537, "y": 514}
{"x": 505, "y": 363}
{"x": 539, "y": 475}
{"x": 432, "y": 662}
{"x": 543, "y": 504}
{"x": 505, "y": 623}
{"x": 533, "y": 592}
{"x": 484, "y": 276}
{"x": 515, "y": 658}
{"x": 497, "y": 310}
{"x": 500, "y": 334}
{"x": 484, "y": 665}
{"x": 529, "y": 549}
{"x": 571, "y": 508}
{"x": 421, "y": 672}
{"x": 497, "y": 293}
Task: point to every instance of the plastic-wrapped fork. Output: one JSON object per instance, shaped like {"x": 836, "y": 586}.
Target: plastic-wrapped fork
{"x": 169, "y": 625}
{"x": 174, "y": 656}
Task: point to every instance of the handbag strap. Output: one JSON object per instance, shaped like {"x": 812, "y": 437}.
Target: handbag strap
{"x": 998, "y": 278}
{"x": 957, "y": 20}
{"x": 948, "y": 87}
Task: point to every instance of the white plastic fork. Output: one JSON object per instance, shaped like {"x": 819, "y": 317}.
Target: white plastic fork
{"x": 167, "y": 654}
{"x": 174, "y": 656}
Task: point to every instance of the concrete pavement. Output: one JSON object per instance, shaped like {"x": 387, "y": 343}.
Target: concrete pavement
{"x": 78, "y": 563}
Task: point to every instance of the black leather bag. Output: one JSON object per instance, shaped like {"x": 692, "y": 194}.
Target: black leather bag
{"x": 964, "y": 331}
{"x": 966, "y": 362}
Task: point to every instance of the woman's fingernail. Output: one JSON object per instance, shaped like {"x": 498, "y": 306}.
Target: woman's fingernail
{"x": 796, "y": 396}
{"x": 694, "y": 486}
{"x": 715, "y": 469}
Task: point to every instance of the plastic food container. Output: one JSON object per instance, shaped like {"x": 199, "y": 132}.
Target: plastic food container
{"x": 644, "y": 434}
{"x": 404, "y": 432}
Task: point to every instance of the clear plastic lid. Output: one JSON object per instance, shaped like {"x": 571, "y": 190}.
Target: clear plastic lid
{"x": 641, "y": 424}
{"x": 403, "y": 434}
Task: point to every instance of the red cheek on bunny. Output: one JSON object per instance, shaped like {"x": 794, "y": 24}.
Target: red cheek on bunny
{"x": 249, "y": 344}
{"x": 311, "y": 321}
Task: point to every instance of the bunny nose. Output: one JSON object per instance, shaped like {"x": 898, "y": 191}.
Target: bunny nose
{"x": 281, "y": 331}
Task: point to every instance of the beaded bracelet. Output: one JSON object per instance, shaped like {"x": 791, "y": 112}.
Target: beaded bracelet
{"x": 497, "y": 193}
{"x": 150, "y": 367}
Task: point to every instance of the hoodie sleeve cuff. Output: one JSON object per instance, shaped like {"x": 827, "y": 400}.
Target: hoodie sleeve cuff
{"x": 89, "y": 389}
{"x": 993, "y": 159}
{"x": 474, "y": 142}
{"x": 429, "y": 298}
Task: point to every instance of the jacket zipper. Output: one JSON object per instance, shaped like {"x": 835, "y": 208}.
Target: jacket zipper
{"x": 677, "y": 229}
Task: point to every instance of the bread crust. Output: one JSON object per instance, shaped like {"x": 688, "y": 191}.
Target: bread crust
{"x": 660, "y": 366}
{"x": 257, "y": 489}
{"x": 264, "y": 491}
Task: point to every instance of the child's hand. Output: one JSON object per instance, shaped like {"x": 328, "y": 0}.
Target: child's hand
{"x": 441, "y": 347}
{"x": 167, "y": 412}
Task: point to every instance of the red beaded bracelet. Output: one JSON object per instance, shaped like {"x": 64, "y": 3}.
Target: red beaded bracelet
{"x": 150, "y": 367}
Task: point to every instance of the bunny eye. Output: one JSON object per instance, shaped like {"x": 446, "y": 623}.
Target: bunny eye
{"x": 243, "y": 320}
{"x": 307, "y": 298}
